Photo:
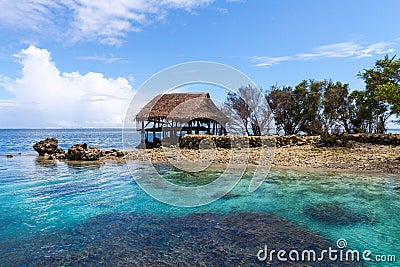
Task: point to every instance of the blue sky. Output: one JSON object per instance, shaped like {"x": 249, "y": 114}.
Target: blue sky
{"x": 77, "y": 63}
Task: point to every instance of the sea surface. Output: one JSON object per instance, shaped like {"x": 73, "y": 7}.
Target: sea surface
{"x": 69, "y": 214}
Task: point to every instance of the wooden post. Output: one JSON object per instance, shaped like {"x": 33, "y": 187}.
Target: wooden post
{"x": 142, "y": 143}
{"x": 142, "y": 133}
{"x": 154, "y": 130}
{"x": 213, "y": 127}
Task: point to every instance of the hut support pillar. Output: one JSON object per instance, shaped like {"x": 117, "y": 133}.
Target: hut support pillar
{"x": 213, "y": 128}
{"x": 142, "y": 143}
{"x": 142, "y": 133}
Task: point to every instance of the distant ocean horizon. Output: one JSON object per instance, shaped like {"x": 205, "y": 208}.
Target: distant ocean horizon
{"x": 22, "y": 140}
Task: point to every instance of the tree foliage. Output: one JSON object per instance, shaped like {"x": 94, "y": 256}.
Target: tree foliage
{"x": 338, "y": 109}
{"x": 376, "y": 101}
{"x": 326, "y": 107}
{"x": 311, "y": 107}
{"x": 390, "y": 93}
{"x": 286, "y": 107}
{"x": 384, "y": 80}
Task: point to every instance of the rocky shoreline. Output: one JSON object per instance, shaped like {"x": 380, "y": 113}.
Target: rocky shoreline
{"x": 358, "y": 158}
{"x": 49, "y": 150}
{"x": 352, "y": 156}
{"x": 332, "y": 140}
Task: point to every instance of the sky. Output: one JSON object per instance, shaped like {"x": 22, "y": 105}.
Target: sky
{"x": 78, "y": 63}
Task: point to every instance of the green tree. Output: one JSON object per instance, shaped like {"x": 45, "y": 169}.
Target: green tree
{"x": 338, "y": 111}
{"x": 298, "y": 109}
{"x": 287, "y": 109}
{"x": 312, "y": 105}
{"x": 359, "y": 111}
{"x": 379, "y": 101}
{"x": 390, "y": 93}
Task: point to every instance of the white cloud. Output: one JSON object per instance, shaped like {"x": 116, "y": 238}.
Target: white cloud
{"x": 378, "y": 48}
{"x": 336, "y": 50}
{"x": 7, "y": 103}
{"x": 104, "y": 58}
{"x": 46, "y": 97}
{"x": 269, "y": 61}
{"x": 222, "y": 10}
{"x": 31, "y": 14}
{"x": 186, "y": 4}
{"x": 101, "y": 20}
{"x": 4, "y": 80}
{"x": 345, "y": 49}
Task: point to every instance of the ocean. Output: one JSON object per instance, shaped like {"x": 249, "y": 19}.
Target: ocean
{"x": 74, "y": 214}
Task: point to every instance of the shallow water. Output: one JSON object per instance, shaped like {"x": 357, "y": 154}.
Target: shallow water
{"x": 92, "y": 214}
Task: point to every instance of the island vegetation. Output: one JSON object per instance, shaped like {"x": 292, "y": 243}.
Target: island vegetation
{"x": 326, "y": 107}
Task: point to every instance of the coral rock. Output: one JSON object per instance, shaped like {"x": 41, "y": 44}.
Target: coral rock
{"x": 47, "y": 146}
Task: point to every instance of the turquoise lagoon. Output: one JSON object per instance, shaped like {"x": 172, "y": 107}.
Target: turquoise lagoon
{"x": 58, "y": 213}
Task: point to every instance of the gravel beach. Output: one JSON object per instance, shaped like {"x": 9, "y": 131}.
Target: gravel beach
{"x": 360, "y": 157}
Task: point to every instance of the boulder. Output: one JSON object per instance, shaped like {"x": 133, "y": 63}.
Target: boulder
{"x": 59, "y": 153}
{"x": 47, "y": 146}
{"x": 76, "y": 151}
{"x": 112, "y": 153}
{"x": 49, "y": 150}
{"x": 83, "y": 152}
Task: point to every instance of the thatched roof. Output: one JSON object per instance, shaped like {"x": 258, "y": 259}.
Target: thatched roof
{"x": 181, "y": 107}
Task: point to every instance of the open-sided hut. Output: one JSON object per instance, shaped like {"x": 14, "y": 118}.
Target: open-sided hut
{"x": 168, "y": 116}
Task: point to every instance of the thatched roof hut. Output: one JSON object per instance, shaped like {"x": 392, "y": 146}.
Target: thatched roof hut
{"x": 181, "y": 107}
{"x": 179, "y": 113}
